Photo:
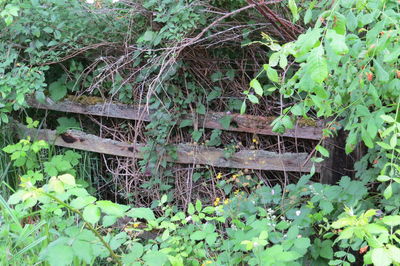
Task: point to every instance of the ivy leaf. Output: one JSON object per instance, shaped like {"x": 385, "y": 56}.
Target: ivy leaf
{"x": 201, "y": 109}
{"x": 225, "y": 121}
{"x": 91, "y": 213}
{"x": 57, "y": 90}
{"x": 317, "y": 65}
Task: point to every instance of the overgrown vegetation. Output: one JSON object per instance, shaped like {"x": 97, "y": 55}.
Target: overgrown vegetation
{"x": 336, "y": 61}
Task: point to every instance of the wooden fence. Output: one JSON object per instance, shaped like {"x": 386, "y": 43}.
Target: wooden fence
{"x": 187, "y": 153}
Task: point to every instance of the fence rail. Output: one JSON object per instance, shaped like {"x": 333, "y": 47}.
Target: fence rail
{"x": 239, "y": 123}
{"x": 187, "y": 154}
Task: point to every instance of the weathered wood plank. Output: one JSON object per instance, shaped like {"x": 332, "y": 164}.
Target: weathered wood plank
{"x": 239, "y": 123}
{"x": 187, "y": 154}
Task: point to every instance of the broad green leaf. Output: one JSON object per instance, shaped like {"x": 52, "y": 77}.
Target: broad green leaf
{"x": 307, "y": 41}
{"x": 391, "y": 220}
{"x": 111, "y": 208}
{"x": 67, "y": 179}
{"x": 109, "y": 220}
{"x": 381, "y": 257}
{"x": 57, "y": 90}
{"x": 81, "y": 202}
{"x": 83, "y": 250}
{"x": 135, "y": 253}
{"x": 155, "y": 258}
{"x": 198, "y": 235}
{"x": 60, "y": 255}
{"x": 143, "y": 213}
{"x": 91, "y": 213}
{"x": 317, "y": 65}
{"x": 56, "y": 185}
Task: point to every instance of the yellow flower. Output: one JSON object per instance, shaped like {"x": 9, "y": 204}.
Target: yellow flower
{"x": 219, "y": 175}
{"x": 226, "y": 201}
{"x": 136, "y": 225}
{"x": 216, "y": 201}
{"x": 237, "y": 191}
{"x": 206, "y": 262}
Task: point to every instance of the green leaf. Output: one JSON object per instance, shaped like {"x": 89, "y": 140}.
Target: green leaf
{"x": 143, "y": 213}
{"x": 66, "y": 123}
{"x": 257, "y": 87}
{"x": 380, "y": 257}
{"x": 388, "y": 192}
{"x": 57, "y": 90}
{"x": 109, "y": 220}
{"x": 317, "y": 65}
{"x": 253, "y": 99}
{"x": 392, "y": 56}
{"x": 186, "y": 123}
{"x": 83, "y": 250}
{"x": 381, "y": 73}
{"x": 155, "y": 258}
{"x": 60, "y": 255}
{"x": 225, "y": 121}
{"x": 243, "y": 107}
{"x": 324, "y": 152}
{"x": 199, "y": 206}
{"x": 201, "y": 109}
{"x": 293, "y": 9}
{"x": 196, "y": 135}
{"x": 307, "y": 41}
{"x": 198, "y": 235}
{"x": 272, "y": 74}
{"x": 91, "y": 213}
{"x": 67, "y": 179}
{"x": 111, "y": 208}
{"x": 190, "y": 209}
{"x": 326, "y": 250}
{"x": 136, "y": 251}
{"x": 391, "y": 220}
{"x": 81, "y": 202}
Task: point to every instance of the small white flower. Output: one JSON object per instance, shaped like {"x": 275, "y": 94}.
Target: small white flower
{"x": 298, "y": 213}
{"x": 90, "y": 1}
{"x": 188, "y": 218}
{"x": 273, "y": 192}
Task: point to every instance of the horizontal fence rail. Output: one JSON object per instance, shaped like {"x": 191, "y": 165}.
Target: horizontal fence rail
{"x": 304, "y": 129}
{"x": 187, "y": 154}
